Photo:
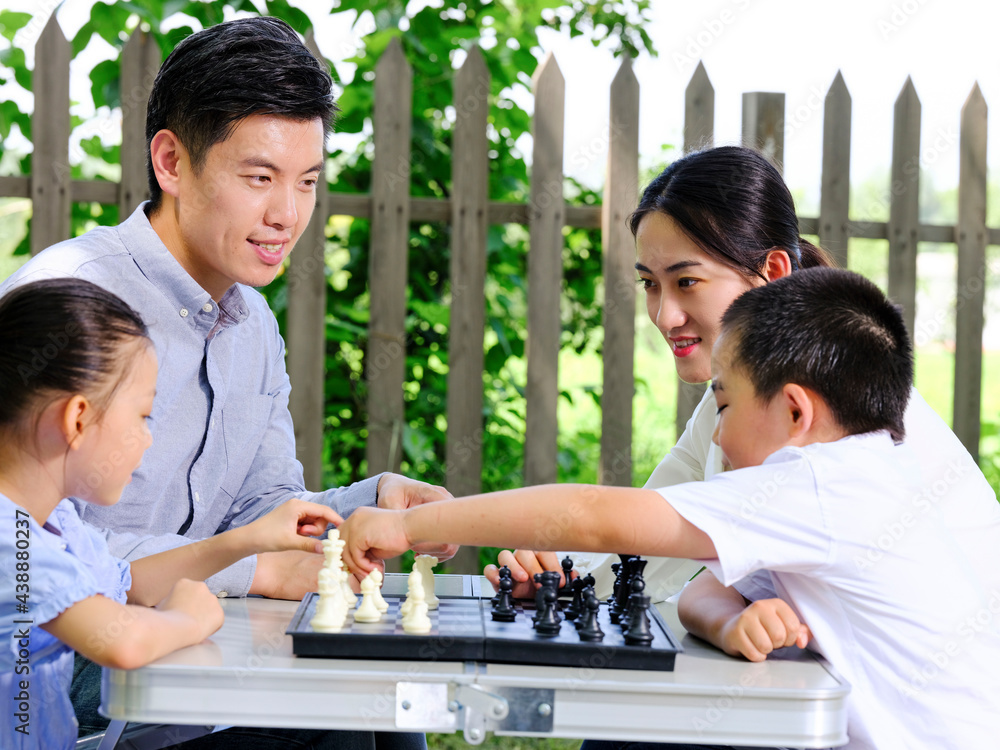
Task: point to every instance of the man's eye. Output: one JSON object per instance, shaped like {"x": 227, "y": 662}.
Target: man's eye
{"x": 685, "y": 283}
{"x": 646, "y": 283}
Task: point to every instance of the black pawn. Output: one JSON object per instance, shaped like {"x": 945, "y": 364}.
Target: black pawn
{"x": 548, "y": 622}
{"x": 503, "y": 609}
{"x": 567, "y": 569}
{"x": 590, "y": 628}
{"x": 638, "y": 632}
{"x": 504, "y": 572}
{"x": 575, "y": 608}
{"x": 539, "y": 596}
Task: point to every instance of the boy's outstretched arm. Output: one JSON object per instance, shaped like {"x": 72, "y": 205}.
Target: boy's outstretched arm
{"x": 720, "y": 615}
{"x": 555, "y": 516}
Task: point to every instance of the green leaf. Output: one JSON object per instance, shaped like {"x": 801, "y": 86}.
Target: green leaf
{"x": 294, "y": 17}
{"x": 105, "y": 84}
{"x": 11, "y": 22}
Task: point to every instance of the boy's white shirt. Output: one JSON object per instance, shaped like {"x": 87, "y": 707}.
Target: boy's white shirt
{"x": 901, "y": 599}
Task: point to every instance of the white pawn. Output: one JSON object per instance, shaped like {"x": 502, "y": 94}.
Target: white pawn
{"x": 380, "y": 603}
{"x": 331, "y": 610}
{"x": 412, "y": 584}
{"x": 415, "y": 619}
{"x": 424, "y": 563}
{"x": 367, "y": 611}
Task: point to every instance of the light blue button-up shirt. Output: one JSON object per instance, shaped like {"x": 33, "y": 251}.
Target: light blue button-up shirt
{"x": 223, "y": 450}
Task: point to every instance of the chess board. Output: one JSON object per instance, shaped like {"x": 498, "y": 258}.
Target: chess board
{"x": 463, "y": 630}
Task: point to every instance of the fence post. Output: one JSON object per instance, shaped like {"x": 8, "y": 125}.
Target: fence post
{"x": 50, "y": 170}
{"x": 764, "y": 125}
{"x": 469, "y": 204}
{"x": 904, "y": 202}
{"x": 620, "y": 193}
{"x": 305, "y": 331}
{"x": 385, "y": 361}
{"x": 699, "y": 132}
{"x": 835, "y": 190}
{"x": 139, "y": 64}
{"x": 545, "y": 219}
{"x": 971, "y": 236}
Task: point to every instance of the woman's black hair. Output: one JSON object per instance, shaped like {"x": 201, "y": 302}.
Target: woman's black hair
{"x": 61, "y": 336}
{"x": 735, "y": 206}
{"x": 221, "y": 75}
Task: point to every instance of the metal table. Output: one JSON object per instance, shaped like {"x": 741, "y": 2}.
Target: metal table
{"x": 246, "y": 675}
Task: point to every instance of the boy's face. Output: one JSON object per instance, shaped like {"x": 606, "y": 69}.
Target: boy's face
{"x": 239, "y": 215}
{"x": 747, "y": 430}
{"x": 687, "y": 292}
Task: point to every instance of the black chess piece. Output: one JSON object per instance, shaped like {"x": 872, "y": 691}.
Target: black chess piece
{"x": 586, "y": 593}
{"x": 503, "y": 609}
{"x": 539, "y": 596}
{"x": 504, "y": 572}
{"x": 616, "y": 607}
{"x": 567, "y": 569}
{"x": 548, "y": 621}
{"x": 638, "y": 632}
{"x": 589, "y": 627}
{"x": 575, "y": 608}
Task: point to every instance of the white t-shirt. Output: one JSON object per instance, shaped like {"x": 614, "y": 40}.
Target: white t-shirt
{"x": 896, "y": 597}
{"x": 952, "y": 482}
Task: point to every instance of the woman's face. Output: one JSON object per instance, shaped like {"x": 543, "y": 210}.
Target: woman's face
{"x": 687, "y": 291}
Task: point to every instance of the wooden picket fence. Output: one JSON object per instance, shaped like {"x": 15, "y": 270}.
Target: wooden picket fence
{"x": 392, "y": 210}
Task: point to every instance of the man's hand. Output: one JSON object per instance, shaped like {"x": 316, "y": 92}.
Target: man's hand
{"x": 761, "y": 627}
{"x": 286, "y": 575}
{"x": 397, "y": 492}
{"x": 523, "y": 565}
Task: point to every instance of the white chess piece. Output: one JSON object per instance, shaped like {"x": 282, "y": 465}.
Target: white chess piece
{"x": 331, "y": 610}
{"x": 380, "y": 603}
{"x": 415, "y": 619}
{"x": 424, "y": 563}
{"x": 367, "y": 611}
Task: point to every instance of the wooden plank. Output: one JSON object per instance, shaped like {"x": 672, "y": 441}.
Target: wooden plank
{"x": 470, "y": 191}
{"x": 971, "y": 275}
{"x": 621, "y": 192}
{"x": 544, "y": 274}
{"x": 385, "y": 361}
{"x": 699, "y": 132}
{"x": 140, "y": 63}
{"x": 904, "y": 205}
{"x": 764, "y": 125}
{"x": 835, "y": 190}
{"x": 306, "y": 333}
{"x": 50, "y": 130}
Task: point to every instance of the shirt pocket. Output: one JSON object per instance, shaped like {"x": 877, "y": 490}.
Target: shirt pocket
{"x": 244, "y": 423}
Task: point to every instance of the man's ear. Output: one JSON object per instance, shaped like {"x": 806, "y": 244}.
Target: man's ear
{"x": 77, "y": 415}
{"x": 166, "y": 153}
{"x": 800, "y": 409}
{"x": 777, "y": 265}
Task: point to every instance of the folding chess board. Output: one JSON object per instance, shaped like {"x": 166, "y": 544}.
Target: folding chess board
{"x": 462, "y": 629}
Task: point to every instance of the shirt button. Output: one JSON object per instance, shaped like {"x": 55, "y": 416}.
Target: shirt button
{"x": 197, "y": 498}
{"x": 184, "y": 312}
{"x": 207, "y": 307}
{"x": 223, "y": 594}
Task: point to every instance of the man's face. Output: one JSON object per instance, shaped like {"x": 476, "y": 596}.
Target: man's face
{"x": 238, "y": 216}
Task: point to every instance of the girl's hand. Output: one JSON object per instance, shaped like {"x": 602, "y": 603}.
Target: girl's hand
{"x": 193, "y": 598}
{"x": 763, "y": 626}
{"x": 292, "y": 526}
{"x": 372, "y": 535}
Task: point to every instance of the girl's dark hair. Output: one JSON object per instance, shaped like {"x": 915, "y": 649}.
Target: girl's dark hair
{"x": 61, "y": 336}
{"x": 734, "y": 204}
{"x": 832, "y": 331}
{"x": 221, "y": 75}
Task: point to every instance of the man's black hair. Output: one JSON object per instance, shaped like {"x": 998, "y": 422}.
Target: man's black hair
{"x": 831, "y": 331}
{"x": 218, "y": 76}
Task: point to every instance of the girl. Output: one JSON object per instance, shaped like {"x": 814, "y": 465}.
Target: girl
{"x": 78, "y": 376}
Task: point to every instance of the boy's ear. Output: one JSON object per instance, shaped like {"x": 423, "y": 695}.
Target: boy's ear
{"x": 800, "y": 409}
{"x": 76, "y": 416}
{"x": 165, "y": 153}
{"x": 777, "y": 265}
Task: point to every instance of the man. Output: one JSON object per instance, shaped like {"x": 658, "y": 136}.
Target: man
{"x": 235, "y": 132}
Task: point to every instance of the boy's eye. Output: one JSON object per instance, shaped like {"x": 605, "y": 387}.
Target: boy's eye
{"x": 686, "y": 282}
{"x": 646, "y": 283}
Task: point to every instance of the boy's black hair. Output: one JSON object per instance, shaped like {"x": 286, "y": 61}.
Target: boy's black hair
{"x": 831, "y": 331}
{"x": 218, "y": 76}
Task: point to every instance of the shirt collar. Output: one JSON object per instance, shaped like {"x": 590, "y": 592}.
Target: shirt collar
{"x": 162, "y": 268}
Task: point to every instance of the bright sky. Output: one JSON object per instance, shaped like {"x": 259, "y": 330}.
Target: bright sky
{"x": 790, "y": 46}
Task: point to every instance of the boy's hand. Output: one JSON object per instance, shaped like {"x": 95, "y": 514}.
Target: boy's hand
{"x": 397, "y": 492}
{"x": 292, "y": 526}
{"x": 763, "y": 626}
{"x": 193, "y": 599}
{"x": 372, "y": 535}
{"x": 523, "y": 564}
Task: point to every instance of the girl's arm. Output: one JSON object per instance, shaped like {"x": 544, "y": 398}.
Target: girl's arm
{"x": 124, "y": 636}
{"x": 557, "y": 516}
{"x": 290, "y": 526}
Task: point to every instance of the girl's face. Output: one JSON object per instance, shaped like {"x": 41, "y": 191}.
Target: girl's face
{"x": 111, "y": 448}
{"x": 687, "y": 291}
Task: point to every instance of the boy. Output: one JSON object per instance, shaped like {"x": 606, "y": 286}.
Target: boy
{"x": 811, "y": 374}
